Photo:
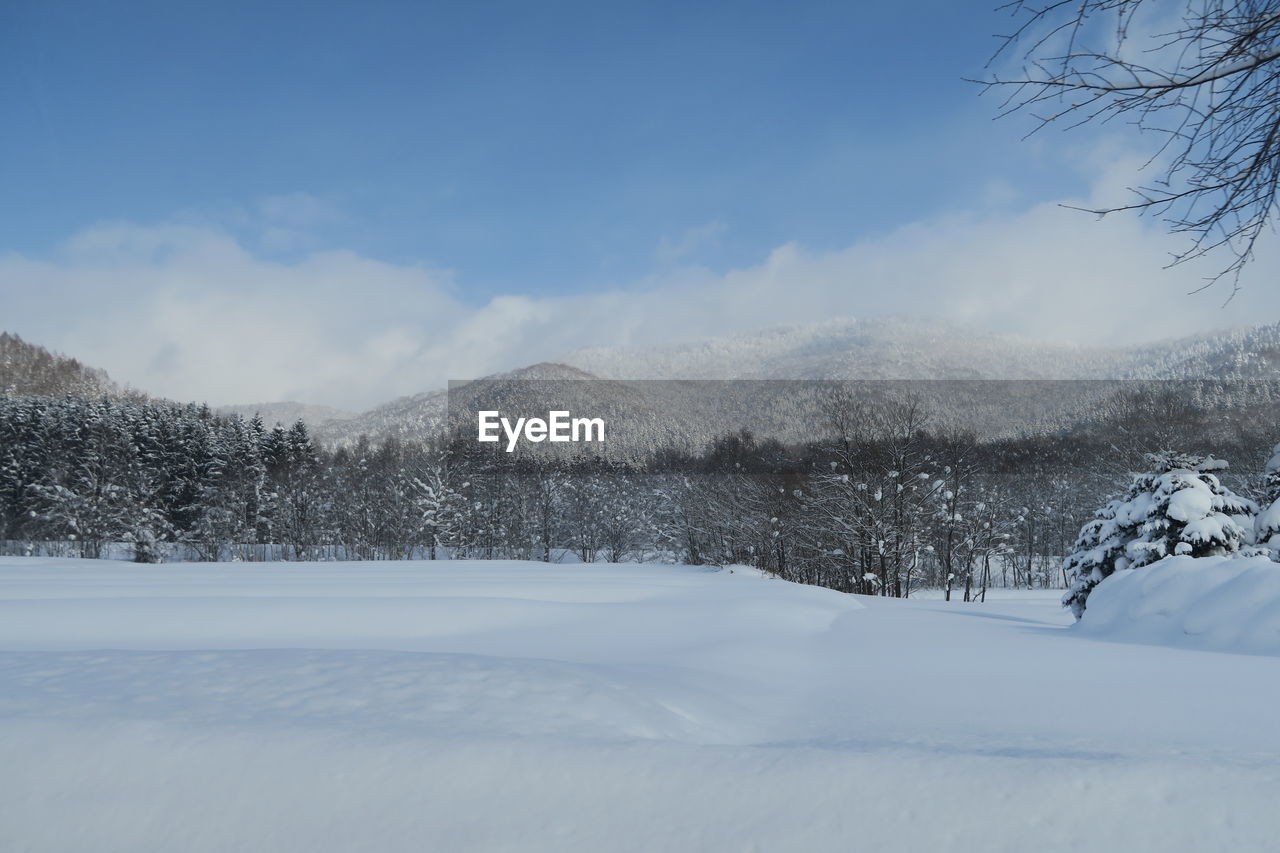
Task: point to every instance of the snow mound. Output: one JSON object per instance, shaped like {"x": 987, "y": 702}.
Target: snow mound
{"x": 1215, "y": 603}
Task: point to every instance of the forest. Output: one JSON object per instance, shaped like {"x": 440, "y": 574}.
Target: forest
{"x": 878, "y": 501}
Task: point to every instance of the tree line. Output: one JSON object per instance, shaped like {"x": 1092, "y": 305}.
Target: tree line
{"x": 878, "y": 502}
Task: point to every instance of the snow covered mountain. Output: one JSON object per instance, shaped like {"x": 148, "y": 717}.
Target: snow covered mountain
{"x": 895, "y": 348}
{"x": 287, "y": 412}
{"x": 27, "y": 368}
{"x": 421, "y": 415}
{"x": 892, "y": 348}
{"x": 901, "y": 348}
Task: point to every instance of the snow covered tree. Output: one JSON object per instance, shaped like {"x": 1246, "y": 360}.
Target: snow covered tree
{"x": 438, "y": 508}
{"x": 993, "y": 523}
{"x": 1177, "y": 507}
{"x": 298, "y": 500}
{"x": 683, "y": 512}
{"x": 544, "y": 488}
{"x": 584, "y": 508}
{"x": 147, "y": 529}
{"x": 1266, "y": 525}
{"x": 625, "y": 514}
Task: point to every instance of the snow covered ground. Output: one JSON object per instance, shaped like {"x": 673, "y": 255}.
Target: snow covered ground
{"x": 1215, "y": 603}
{"x": 517, "y": 706}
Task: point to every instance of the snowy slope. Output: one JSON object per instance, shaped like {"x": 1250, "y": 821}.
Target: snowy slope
{"x": 421, "y": 416}
{"x": 520, "y": 706}
{"x": 1217, "y": 603}
{"x": 914, "y": 348}
{"x": 844, "y": 348}
{"x": 847, "y": 348}
{"x": 287, "y": 413}
{"x": 883, "y": 348}
{"x": 27, "y": 368}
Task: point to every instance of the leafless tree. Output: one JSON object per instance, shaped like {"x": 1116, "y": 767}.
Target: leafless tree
{"x": 1205, "y": 82}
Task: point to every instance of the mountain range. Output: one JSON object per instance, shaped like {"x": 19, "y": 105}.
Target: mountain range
{"x": 890, "y": 348}
{"x": 903, "y": 348}
{"x": 893, "y": 348}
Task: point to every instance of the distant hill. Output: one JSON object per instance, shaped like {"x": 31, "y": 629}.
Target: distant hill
{"x": 895, "y": 348}
{"x": 288, "y": 412}
{"x": 30, "y": 369}
{"x": 421, "y": 415}
{"x": 901, "y": 348}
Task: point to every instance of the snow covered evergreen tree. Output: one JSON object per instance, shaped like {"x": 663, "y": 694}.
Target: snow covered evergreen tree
{"x": 1177, "y": 507}
{"x": 439, "y": 509}
{"x": 1266, "y": 525}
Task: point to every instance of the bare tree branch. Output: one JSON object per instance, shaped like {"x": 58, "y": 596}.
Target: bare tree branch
{"x": 1209, "y": 87}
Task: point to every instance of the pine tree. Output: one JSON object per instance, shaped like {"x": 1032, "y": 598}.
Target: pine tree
{"x": 1266, "y": 526}
{"x": 301, "y": 505}
{"x": 438, "y": 508}
{"x": 146, "y": 524}
{"x": 1178, "y": 507}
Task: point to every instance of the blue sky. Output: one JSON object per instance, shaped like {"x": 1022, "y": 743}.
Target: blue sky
{"x": 384, "y": 195}
{"x": 537, "y": 147}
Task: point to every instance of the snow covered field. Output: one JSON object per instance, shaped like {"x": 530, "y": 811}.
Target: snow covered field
{"x": 520, "y": 706}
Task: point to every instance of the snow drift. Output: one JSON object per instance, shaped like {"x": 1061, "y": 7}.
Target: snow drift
{"x": 1229, "y": 604}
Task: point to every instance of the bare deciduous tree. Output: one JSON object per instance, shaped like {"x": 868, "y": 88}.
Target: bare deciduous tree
{"x": 1206, "y": 82}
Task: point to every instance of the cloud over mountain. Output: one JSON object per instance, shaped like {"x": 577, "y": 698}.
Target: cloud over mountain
{"x": 189, "y": 311}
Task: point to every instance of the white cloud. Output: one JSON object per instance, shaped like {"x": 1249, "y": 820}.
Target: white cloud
{"x": 189, "y": 312}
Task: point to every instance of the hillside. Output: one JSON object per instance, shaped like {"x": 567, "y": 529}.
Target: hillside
{"x": 901, "y": 348}
{"x": 286, "y": 413}
{"x": 894, "y": 348}
{"x": 421, "y": 416}
{"x": 30, "y": 369}
{"x": 891, "y": 349}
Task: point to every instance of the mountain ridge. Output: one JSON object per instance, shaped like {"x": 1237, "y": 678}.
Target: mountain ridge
{"x": 846, "y": 348}
{"x": 30, "y": 369}
{"x": 840, "y": 348}
{"x": 902, "y": 348}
